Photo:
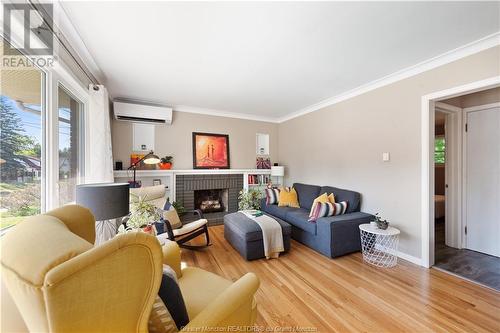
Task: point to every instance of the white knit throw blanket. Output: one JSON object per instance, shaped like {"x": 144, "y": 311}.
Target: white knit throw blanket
{"x": 272, "y": 235}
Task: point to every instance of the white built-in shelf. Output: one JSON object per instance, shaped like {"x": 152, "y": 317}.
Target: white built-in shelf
{"x": 152, "y": 173}
{"x": 167, "y": 177}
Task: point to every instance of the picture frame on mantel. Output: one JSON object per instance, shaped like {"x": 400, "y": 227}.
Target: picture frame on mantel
{"x": 210, "y": 151}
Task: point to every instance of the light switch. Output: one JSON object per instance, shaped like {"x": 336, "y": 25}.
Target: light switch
{"x": 386, "y": 157}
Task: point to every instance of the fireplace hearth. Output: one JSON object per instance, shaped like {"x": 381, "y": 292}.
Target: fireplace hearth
{"x": 211, "y": 201}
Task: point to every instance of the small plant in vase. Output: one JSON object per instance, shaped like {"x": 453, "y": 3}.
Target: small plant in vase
{"x": 381, "y": 224}
{"x": 142, "y": 215}
{"x": 166, "y": 162}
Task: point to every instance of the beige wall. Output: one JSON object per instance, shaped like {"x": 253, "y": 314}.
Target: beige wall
{"x": 176, "y": 139}
{"x": 342, "y": 145}
{"x": 479, "y": 98}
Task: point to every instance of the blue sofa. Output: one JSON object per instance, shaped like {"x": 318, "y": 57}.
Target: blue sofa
{"x": 332, "y": 236}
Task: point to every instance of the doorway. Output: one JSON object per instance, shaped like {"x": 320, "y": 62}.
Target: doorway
{"x": 467, "y": 186}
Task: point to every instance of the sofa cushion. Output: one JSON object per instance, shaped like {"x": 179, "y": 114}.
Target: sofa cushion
{"x": 306, "y": 194}
{"x": 299, "y": 218}
{"x": 353, "y": 198}
{"x": 279, "y": 212}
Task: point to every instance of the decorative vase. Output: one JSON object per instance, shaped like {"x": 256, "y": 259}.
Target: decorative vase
{"x": 149, "y": 229}
{"x": 165, "y": 166}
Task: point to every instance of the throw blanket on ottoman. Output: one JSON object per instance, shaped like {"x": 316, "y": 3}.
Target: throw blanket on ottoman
{"x": 272, "y": 236}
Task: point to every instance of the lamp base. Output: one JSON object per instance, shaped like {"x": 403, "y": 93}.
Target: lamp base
{"x": 105, "y": 230}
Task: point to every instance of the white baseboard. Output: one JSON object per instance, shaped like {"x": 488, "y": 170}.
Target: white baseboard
{"x": 412, "y": 259}
{"x": 402, "y": 255}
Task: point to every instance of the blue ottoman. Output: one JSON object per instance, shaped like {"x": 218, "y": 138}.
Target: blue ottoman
{"x": 245, "y": 235}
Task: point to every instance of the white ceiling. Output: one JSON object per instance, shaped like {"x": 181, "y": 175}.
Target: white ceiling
{"x": 266, "y": 59}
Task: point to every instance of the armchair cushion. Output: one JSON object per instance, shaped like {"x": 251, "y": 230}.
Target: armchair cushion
{"x": 172, "y": 217}
{"x": 188, "y": 227}
{"x": 153, "y": 194}
{"x": 199, "y": 288}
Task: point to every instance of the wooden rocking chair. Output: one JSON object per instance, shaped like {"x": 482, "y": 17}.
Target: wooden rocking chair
{"x": 188, "y": 231}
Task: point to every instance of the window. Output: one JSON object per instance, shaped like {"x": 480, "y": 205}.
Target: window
{"x": 439, "y": 150}
{"x": 40, "y": 164}
{"x": 70, "y": 145}
{"x": 21, "y": 142}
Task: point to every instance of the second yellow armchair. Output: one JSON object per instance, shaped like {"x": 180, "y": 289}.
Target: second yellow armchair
{"x": 213, "y": 302}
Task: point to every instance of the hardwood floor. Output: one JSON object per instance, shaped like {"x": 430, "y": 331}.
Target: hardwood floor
{"x": 305, "y": 289}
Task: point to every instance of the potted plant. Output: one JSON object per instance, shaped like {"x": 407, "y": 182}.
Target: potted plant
{"x": 166, "y": 162}
{"x": 381, "y": 224}
{"x": 142, "y": 216}
{"x": 249, "y": 200}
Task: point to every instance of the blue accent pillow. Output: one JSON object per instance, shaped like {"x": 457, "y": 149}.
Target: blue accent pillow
{"x": 160, "y": 227}
{"x": 171, "y": 295}
{"x": 168, "y": 205}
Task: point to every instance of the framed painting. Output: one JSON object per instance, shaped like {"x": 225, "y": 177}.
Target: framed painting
{"x": 210, "y": 151}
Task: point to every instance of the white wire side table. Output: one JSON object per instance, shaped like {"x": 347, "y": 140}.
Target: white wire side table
{"x": 379, "y": 246}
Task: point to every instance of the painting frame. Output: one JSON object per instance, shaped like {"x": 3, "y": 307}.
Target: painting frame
{"x": 222, "y": 164}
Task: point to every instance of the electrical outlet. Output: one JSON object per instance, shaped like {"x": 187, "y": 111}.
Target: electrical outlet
{"x": 386, "y": 157}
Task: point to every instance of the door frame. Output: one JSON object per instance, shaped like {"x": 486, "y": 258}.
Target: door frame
{"x": 453, "y": 173}
{"x": 427, "y": 158}
{"x": 466, "y": 111}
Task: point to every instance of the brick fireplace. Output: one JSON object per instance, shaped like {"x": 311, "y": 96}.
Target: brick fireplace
{"x": 216, "y": 195}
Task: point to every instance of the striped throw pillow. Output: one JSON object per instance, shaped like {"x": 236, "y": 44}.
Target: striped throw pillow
{"x": 323, "y": 209}
{"x": 272, "y": 196}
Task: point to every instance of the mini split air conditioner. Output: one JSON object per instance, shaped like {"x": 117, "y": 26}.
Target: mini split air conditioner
{"x": 141, "y": 113}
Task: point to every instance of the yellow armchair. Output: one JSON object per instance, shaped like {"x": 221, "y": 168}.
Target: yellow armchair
{"x": 60, "y": 282}
{"x": 213, "y": 302}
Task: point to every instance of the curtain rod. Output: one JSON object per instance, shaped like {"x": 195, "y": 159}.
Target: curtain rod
{"x": 63, "y": 42}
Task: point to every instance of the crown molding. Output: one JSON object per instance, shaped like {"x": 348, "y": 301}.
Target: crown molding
{"x": 440, "y": 60}
{"x": 221, "y": 113}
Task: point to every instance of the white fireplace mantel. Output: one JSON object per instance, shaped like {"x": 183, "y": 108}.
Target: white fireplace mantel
{"x": 160, "y": 173}
{"x": 167, "y": 177}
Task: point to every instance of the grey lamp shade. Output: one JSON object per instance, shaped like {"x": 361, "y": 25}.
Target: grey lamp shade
{"x": 106, "y": 201}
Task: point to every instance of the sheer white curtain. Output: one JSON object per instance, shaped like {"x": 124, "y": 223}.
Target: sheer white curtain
{"x": 99, "y": 157}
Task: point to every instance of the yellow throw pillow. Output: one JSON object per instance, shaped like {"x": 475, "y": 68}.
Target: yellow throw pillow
{"x": 321, "y": 198}
{"x": 324, "y": 198}
{"x": 288, "y": 198}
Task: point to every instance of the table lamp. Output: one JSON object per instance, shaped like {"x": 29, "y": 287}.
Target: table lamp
{"x": 278, "y": 171}
{"x": 149, "y": 158}
{"x": 106, "y": 201}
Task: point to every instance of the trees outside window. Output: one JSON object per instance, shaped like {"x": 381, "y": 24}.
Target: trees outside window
{"x": 439, "y": 150}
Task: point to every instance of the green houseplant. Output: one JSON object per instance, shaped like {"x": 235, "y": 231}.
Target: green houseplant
{"x": 166, "y": 162}
{"x": 142, "y": 213}
{"x": 381, "y": 224}
{"x": 249, "y": 199}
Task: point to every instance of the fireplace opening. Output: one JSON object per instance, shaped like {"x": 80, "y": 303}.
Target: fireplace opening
{"x": 211, "y": 201}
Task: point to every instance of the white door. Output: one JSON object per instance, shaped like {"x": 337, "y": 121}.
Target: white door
{"x": 483, "y": 181}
